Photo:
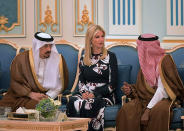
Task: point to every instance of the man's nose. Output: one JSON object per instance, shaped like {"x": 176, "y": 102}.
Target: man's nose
{"x": 102, "y": 39}
{"x": 49, "y": 48}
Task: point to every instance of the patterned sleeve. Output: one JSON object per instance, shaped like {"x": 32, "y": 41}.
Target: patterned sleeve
{"x": 82, "y": 81}
{"x": 113, "y": 71}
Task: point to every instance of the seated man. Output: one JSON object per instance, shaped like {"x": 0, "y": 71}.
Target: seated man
{"x": 157, "y": 88}
{"x": 36, "y": 74}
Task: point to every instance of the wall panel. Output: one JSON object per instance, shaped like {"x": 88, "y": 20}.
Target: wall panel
{"x": 12, "y": 19}
{"x": 48, "y": 16}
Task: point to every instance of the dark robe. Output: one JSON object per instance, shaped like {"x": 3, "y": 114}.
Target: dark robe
{"x": 129, "y": 116}
{"x": 23, "y": 81}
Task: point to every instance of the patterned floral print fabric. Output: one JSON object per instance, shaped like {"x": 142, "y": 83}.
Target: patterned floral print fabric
{"x": 100, "y": 79}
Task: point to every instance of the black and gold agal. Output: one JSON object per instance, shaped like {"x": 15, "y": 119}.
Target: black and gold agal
{"x": 43, "y": 37}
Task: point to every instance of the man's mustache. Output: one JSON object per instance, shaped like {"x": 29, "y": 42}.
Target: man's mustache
{"x": 48, "y": 52}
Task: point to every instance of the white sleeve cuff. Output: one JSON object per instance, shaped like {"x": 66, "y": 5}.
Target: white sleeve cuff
{"x": 53, "y": 93}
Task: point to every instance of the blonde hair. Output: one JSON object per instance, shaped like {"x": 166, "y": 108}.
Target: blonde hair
{"x": 91, "y": 31}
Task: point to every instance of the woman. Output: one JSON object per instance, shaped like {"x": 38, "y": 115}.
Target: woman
{"x": 97, "y": 80}
{"x": 158, "y": 86}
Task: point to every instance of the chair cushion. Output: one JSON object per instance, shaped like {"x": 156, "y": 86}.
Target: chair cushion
{"x": 177, "y": 113}
{"x": 70, "y": 55}
{"x": 176, "y": 120}
{"x": 123, "y": 75}
{"x": 181, "y": 73}
{"x": 111, "y": 112}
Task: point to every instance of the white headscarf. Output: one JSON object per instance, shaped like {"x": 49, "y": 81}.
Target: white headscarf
{"x": 51, "y": 74}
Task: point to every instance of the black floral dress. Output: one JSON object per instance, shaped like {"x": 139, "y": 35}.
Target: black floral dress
{"x": 100, "y": 79}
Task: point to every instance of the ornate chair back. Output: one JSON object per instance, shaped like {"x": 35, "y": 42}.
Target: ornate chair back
{"x": 8, "y": 51}
{"x": 128, "y": 64}
{"x": 178, "y": 56}
{"x": 70, "y": 52}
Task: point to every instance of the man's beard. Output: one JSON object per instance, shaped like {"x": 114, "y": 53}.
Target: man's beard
{"x": 47, "y": 54}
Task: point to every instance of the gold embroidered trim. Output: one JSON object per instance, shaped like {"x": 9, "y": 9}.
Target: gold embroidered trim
{"x": 31, "y": 60}
{"x": 166, "y": 86}
{"x": 169, "y": 115}
{"x": 61, "y": 72}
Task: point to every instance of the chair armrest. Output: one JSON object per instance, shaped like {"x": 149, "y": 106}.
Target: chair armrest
{"x": 3, "y": 92}
{"x": 125, "y": 99}
{"x": 64, "y": 94}
{"x": 65, "y": 98}
{"x": 60, "y": 97}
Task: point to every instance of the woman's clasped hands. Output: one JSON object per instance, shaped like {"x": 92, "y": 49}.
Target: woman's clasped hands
{"x": 87, "y": 95}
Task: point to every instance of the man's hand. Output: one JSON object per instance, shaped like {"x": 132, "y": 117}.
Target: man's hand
{"x": 37, "y": 96}
{"x": 126, "y": 88}
{"x": 145, "y": 117}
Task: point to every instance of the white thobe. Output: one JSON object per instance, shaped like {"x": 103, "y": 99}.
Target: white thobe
{"x": 159, "y": 94}
{"x": 52, "y": 92}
